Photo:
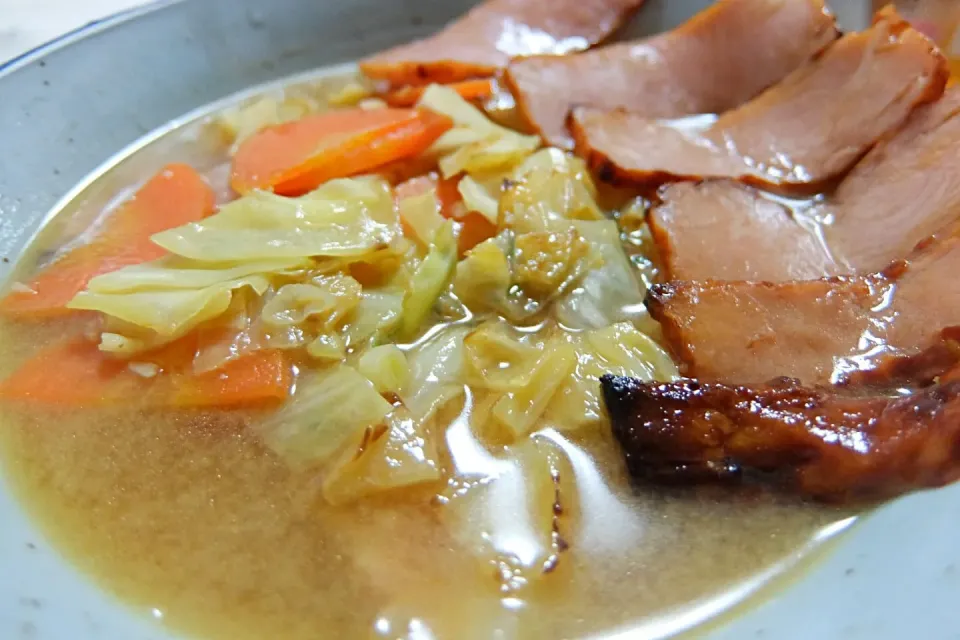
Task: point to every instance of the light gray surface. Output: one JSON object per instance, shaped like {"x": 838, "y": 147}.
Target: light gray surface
{"x": 66, "y": 110}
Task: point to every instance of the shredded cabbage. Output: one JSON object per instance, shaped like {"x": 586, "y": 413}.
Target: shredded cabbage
{"x": 421, "y": 214}
{"x": 170, "y": 314}
{"x": 475, "y": 144}
{"x": 429, "y": 280}
{"x": 547, "y": 191}
{"x": 519, "y": 409}
{"x": 347, "y": 217}
{"x": 178, "y": 273}
{"x": 327, "y": 409}
{"x": 609, "y": 293}
{"x": 482, "y": 197}
{"x": 386, "y": 367}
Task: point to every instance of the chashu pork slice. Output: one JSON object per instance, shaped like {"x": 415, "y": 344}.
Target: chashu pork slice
{"x": 817, "y": 331}
{"x": 798, "y": 137}
{"x": 489, "y": 35}
{"x": 823, "y": 443}
{"x": 716, "y": 61}
{"x": 905, "y": 190}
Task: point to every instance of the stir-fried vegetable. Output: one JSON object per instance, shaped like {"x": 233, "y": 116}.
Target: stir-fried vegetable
{"x": 485, "y": 230}
{"x": 330, "y": 407}
{"x": 421, "y": 215}
{"x": 429, "y": 280}
{"x": 386, "y": 367}
{"x": 608, "y": 293}
{"x": 176, "y": 195}
{"x": 343, "y": 218}
{"x": 296, "y": 157}
{"x": 403, "y": 455}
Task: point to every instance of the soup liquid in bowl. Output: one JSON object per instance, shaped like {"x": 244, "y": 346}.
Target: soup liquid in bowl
{"x": 187, "y": 513}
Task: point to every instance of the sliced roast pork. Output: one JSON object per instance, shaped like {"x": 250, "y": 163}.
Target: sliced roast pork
{"x": 901, "y": 193}
{"x": 906, "y": 189}
{"x": 725, "y": 230}
{"x": 822, "y": 443}
{"x": 797, "y": 137}
{"x": 722, "y": 57}
{"x": 490, "y": 34}
{"x": 817, "y": 331}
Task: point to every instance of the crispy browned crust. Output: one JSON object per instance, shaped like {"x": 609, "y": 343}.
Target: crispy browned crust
{"x": 812, "y": 441}
{"x": 938, "y": 362}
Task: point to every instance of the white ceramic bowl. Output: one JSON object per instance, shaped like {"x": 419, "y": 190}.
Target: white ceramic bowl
{"x": 68, "y": 107}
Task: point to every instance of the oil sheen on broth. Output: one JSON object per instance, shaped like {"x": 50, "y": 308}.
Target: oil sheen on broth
{"x": 188, "y": 514}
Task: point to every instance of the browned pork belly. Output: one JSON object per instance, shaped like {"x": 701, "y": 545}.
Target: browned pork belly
{"x": 490, "y": 34}
{"x": 798, "y": 137}
{"x": 719, "y": 59}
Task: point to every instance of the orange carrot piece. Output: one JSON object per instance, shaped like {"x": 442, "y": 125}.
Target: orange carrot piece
{"x": 259, "y": 377}
{"x": 475, "y": 89}
{"x": 76, "y": 373}
{"x": 175, "y": 196}
{"x": 297, "y": 157}
{"x": 474, "y": 229}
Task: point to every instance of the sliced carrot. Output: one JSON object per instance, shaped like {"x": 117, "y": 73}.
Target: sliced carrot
{"x": 297, "y": 157}
{"x": 73, "y": 373}
{"x": 474, "y": 229}
{"x": 76, "y": 373}
{"x": 476, "y": 89}
{"x": 175, "y": 196}
{"x": 259, "y": 377}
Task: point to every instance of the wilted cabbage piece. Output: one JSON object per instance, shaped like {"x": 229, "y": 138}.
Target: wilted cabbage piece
{"x": 311, "y": 314}
{"x": 497, "y": 360}
{"x": 346, "y": 217}
{"x": 620, "y": 349}
{"x": 519, "y": 409}
{"x": 548, "y": 263}
{"x": 608, "y": 293}
{"x": 547, "y": 191}
{"x": 329, "y": 407}
{"x": 421, "y": 214}
{"x": 483, "y": 278}
{"x": 386, "y": 367}
{"x": 485, "y": 152}
{"x": 376, "y": 315}
{"x": 517, "y": 521}
{"x": 482, "y": 195}
{"x": 242, "y": 122}
{"x": 402, "y": 455}
{"x": 169, "y": 314}
{"x": 429, "y": 280}
{"x": 180, "y": 273}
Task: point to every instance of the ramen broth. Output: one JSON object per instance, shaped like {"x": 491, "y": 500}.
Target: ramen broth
{"x": 188, "y": 517}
